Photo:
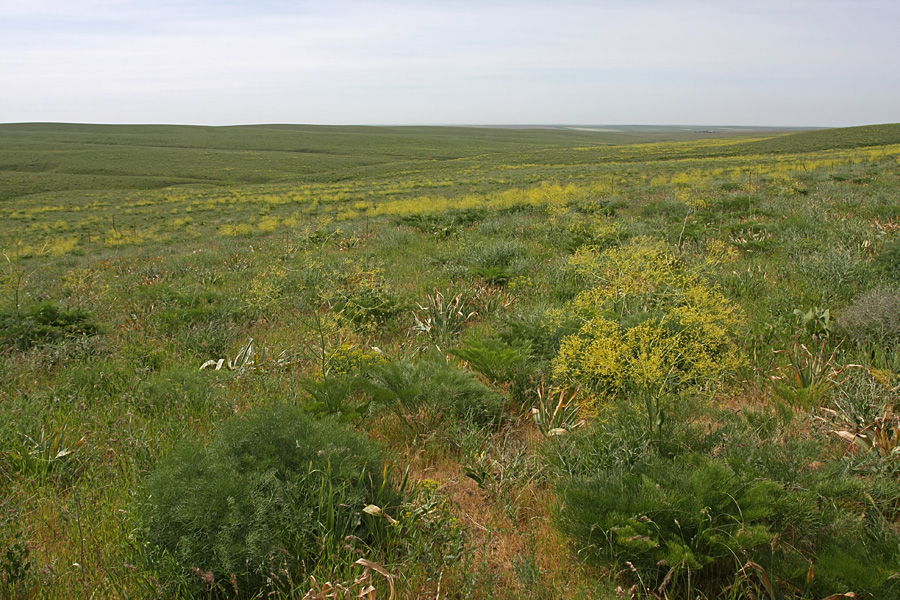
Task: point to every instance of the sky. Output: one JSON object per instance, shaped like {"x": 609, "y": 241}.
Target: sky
{"x": 815, "y": 63}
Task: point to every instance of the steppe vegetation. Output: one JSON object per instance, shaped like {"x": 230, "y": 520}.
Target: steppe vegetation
{"x": 312, "y": 362}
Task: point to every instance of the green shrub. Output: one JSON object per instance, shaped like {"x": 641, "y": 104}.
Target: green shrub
{"x": 539, "y": 333}
{"x": 502, "y": 364}
{"x": 199, "y": 311}
{"x": 44, "y": 323}
{"x": 204, "y": 325}
{"x": 274, "y": 492}
{"x": 16, "y": 564}
{"x": 668, "y": 209}
{"x": 341, "y": 397}
{"x": 444, "y": 224}
{"x": 887, "y": 262}
{"x": 574, "y": 231}
{"x": 606, "y": 207}
{"x": 497, "y": 361}
{"x": 690, "y": 515}
{"x": 370, "y": 303}
{"x": 178, "y": 390}
{"x": 99, "y": 380}
{"x": 75, "y": 350}
{"x": 423, "y": 393}
{"x": 692, "y": 509}
{"x": 834, "y": 275}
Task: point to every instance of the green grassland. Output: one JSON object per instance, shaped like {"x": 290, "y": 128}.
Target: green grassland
{"x": 566, "y": 363}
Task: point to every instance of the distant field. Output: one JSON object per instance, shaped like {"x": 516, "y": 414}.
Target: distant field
{"x": 89, "y": 157}
{"x": 449, "y": 362}
{"x": 135, "y": 184}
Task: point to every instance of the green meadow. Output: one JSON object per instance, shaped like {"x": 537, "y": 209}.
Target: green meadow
{"x": 432, "y": 362}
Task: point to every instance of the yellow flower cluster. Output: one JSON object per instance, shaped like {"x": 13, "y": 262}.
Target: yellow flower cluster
{"x": 648, "y": 321}
{"x": 348, "y": 359}
{"x": 265, "y": 288}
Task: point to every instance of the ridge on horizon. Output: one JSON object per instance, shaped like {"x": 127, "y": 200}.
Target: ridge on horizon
{"x": 600, "y": 127}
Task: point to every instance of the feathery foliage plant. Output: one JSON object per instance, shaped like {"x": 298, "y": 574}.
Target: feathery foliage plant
{"x": 274, "y": 492}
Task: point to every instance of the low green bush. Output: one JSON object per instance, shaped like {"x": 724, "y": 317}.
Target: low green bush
{"x": 506, "y": 365}
{"x": 370, "y": 303}
{"x": 691, "y": 515}
{"x": 273, "y": 494}
{"x": 689, "y": 510}
{"x": 446, "y": 224}
{"x": 497, "y": 361}
{"x": 887, "y": 262}
{"x": 423, "y": 393}
{"x": 575, "y": 230}
{"x": 669, "y": 209}
{"x": 176, "y": 390}
{"x": 539, "y": 331}
{"x": 341, "y": 396}
{"x": 16, "y": 563}
{"x": 830, "y": 276}
{"x": 44, "y": 323}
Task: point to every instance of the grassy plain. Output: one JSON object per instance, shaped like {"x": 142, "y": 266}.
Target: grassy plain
{"x": 481, "y": 264}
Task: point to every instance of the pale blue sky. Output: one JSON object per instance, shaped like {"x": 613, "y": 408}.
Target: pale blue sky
{"x": 700, "y": 62}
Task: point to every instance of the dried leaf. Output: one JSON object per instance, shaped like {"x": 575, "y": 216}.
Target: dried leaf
{"x": 850, "y": 437}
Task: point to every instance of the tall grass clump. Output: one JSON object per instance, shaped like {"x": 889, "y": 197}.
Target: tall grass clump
{"x": 274, "y": 496}
{"x": 495, "y": 261}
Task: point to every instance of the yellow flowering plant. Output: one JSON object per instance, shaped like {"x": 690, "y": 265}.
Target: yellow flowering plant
{"x": 651, "y": 326}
